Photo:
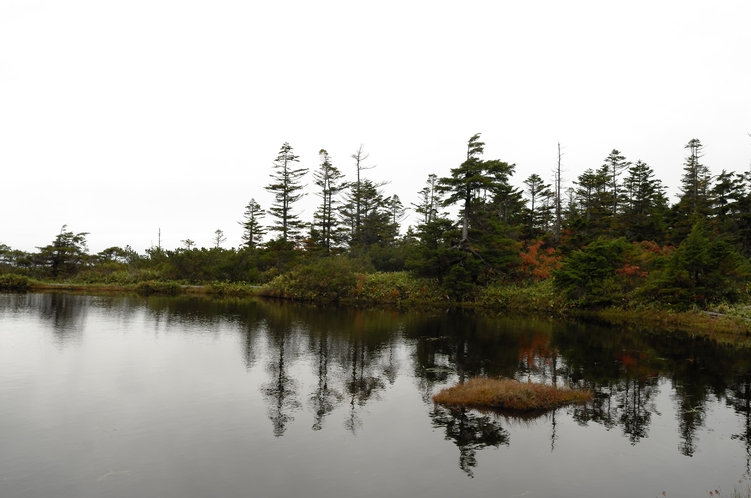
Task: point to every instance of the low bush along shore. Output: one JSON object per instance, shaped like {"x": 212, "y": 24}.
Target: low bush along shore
{"x": 510, "y": 394}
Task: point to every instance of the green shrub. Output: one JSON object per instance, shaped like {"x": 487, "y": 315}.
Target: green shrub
{"x": 538, "y": 297}
{"x": 326, "y": 279}
{"x": 10, "y": 281}
{"x": 338, "y": 278}
{"x": 396, "y": 287}
{"x": 227, "y": 289}
{"x": 150, "y": 287}
{"x": 588, "y": 276}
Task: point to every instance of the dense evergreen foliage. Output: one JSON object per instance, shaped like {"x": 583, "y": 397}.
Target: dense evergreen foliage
{"x": 611, "y": 238}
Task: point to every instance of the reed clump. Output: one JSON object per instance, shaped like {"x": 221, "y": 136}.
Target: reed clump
{"x": 510, "y": 394}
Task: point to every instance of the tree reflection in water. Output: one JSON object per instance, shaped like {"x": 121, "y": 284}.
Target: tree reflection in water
{"x": 324, "y": 399}
{"x": 739, "y": 398}
{"x": 362, "y": 383}
{"x": 281, "y": 390}
{"x": 470, "y": 431}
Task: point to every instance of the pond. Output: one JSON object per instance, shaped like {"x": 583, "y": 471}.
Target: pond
{"x": 123, "y": 396}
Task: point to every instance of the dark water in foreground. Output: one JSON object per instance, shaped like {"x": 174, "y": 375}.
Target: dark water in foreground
{"x": 185, "y": 397}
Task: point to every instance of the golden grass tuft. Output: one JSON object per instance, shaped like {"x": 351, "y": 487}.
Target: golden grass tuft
{"x": 510, "y": 394}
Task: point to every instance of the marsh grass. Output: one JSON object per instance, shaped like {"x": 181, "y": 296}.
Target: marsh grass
{"x": 510, "y": 394}
{"x": 537, "y": 297}
{"x": 731, "y": 329}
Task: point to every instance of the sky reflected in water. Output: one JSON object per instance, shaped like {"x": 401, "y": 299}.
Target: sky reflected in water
{"x": 183, "y": 397}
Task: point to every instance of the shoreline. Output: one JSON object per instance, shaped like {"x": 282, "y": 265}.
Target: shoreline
{"x": 731, "y": 326}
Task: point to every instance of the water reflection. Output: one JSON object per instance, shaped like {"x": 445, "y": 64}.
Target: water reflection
{"x": 332, "y": 364}
{"x": 739, "y": 398}
{"x": 470, "y": 431}
{"x": 324, "y": 399}
{"x": 64, "y": 313}
{"x": 281, "y": 391}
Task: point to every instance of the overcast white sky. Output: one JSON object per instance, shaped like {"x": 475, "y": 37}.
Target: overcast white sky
{"x": 119, "y": 118}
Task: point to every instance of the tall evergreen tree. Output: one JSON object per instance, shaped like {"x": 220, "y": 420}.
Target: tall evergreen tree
{"x": 590, "y": 216}
{"x": 253, "y": 231}
{"x": 66, "y": 254}
{"x": 615, "y": 164}
{"x": 489, "y": 207}
{"x": 505, "y": 200}
{"x": 359, "y": 202}
{"x": 467, "y": 182}
{"x": 645, "y": 204}
{"x": 429, "y": 200}
{"x": 726, "y": 194}
{"x": 330, "y": 182}
{"x": 696, "y": 180}
{"x": 375, "y": 218}
{"x": 695, "y": 203}
{"x": 397, "y": 213}
{"x": 536, "y": 191}
{"x": 286, "y": 188}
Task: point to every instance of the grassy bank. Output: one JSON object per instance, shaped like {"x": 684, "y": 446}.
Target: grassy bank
{"x": 732, "y": 328}
{"x": 344, "y": 281}
{"x": 510, "y": 394}
{"x": 348, "y": 281}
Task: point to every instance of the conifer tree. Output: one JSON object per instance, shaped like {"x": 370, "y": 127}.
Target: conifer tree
{"x": 695, "y": 203}
{"x": 253, "y": 231}
{"x": 490, "y": 206}
{"x": 644, "y": 205}
{"x": 66, "y": 254}
{"x": 286, "y": 186}
{"x": 364, "y": 203}
{"x": 695, "y": 182}
{"x": 218, "y": 238}
{"x": 397, "y": 213}
{"x": 467, "y": 182}
{"x": 329, "y": 180}
{"x": 614, "y": 165}
{"x": 536, "y": 191}
{"x": 429, "y": 200}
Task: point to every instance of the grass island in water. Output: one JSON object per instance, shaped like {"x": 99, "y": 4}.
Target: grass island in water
{"x": 510, "y": 394}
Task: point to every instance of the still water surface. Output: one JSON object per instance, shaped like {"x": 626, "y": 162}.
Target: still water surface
{"x": 189, "y": 397}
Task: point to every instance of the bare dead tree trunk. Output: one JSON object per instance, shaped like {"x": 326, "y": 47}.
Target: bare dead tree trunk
{"x": 558, "y": 222}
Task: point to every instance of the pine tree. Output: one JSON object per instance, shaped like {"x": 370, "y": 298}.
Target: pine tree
{"x": 286, "y": 188}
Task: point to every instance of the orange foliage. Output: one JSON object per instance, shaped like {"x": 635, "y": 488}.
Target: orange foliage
{"x": 539, "y": 263}
{"x": 642, "y": 260}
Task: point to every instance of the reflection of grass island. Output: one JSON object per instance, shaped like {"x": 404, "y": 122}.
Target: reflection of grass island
{"x": 510, "y": 394}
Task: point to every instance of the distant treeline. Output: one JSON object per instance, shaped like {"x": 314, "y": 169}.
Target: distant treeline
{"x": 613, "y": 238}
